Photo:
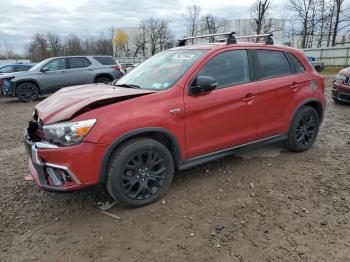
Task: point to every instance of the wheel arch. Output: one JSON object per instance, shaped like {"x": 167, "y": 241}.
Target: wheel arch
{"x": 103, "y": 75}
{"x": 157, "y": 133}
{"x": 33, "y": 81}
{"x": 314, "y": 103}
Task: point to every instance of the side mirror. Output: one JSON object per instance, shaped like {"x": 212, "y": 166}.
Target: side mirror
{"x": 203, "y": 84}
{"x": 44, "y": 69}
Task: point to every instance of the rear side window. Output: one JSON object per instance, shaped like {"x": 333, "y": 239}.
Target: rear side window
{"x": 20, "y": 68}
{"x": 299, "y": 68}
{"x": 105, "y": 60}
{"x": 78, "y": 62}
{"x": 228, "y": 68}
{"x": 7, "y": 69}
{"x": 273, "y": 64}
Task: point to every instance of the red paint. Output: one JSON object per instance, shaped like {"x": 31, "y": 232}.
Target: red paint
{"x": 207, "y": 122}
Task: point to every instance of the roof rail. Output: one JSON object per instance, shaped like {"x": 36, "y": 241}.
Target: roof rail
{"x": 268, "y": 37}
{"x": 231, "y": 39}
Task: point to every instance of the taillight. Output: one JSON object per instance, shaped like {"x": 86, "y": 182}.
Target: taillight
{"x": 322, "y": 82}
{"x": 119, "y": 68}
{"x": 1, "y": 82}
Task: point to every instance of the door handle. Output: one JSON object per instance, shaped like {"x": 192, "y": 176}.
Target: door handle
{"x": 248, "y": 98}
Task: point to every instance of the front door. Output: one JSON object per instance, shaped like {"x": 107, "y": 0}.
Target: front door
{"x": 226, "y": 116}
{"x": 53, "y": 75}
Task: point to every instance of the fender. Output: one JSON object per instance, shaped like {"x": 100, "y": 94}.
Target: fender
{"x": 25, "y": 80}
{"x": 138, "y": 133}
{"x": 307, "y": 101}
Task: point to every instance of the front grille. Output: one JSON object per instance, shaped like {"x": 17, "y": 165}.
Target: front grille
{"x": 35, "y": 131}
{"x": 344, "y": 97}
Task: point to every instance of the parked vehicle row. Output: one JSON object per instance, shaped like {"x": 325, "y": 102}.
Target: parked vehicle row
{"x": 11, "y": 68}
{"x": 341, "y": 87}
{"x": 183, "y": 107}
{"x": 317, "y": 64}
{"x": 55, "y": 73}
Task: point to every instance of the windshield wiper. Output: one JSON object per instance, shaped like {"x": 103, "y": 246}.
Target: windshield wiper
{"x": 128, "y": 86}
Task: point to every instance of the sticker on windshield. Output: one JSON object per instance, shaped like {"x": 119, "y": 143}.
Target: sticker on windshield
{"x": 157, "y": 85}
{"x": 182, "y": 57}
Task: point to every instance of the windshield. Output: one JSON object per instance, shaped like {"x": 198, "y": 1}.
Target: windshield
{"x": 38, "y": 66}
{"x": 162, "y": 70}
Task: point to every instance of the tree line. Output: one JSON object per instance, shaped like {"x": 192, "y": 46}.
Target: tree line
{"x": 305, "y": 23}
{"x": 51, "y": 44}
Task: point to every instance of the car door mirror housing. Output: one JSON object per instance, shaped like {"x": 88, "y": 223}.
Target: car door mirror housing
{"x": 203, "y": 84}
{"x": 44, "y": 69}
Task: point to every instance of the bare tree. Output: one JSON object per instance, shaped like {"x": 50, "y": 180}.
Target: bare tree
{"x": 338, "y": 19}
{"x": 37, "y": 49}
{"x": 54, "y": 43}
{"x": 157, "y": 34}
{"x": 259, "y": 15}
{"x": 73, "y": 45}
{"x": 141, "y": 42}
{"x": 212, "y": 25}
{"x": 302, "y": 10}
{"x": 192, "y": 16}
{"x": 322, "y": 5}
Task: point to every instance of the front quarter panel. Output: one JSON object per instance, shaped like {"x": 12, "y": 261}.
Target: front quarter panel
{"x": 152, "y": 110}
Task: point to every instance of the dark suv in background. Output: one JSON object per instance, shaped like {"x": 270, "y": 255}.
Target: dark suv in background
{"x": 54, "y": 73}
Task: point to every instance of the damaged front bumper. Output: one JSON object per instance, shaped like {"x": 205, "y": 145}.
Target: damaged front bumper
{"x": 63, "y": 169}
{"x": 49, "y": 176}
{"x": 8, "y": 87}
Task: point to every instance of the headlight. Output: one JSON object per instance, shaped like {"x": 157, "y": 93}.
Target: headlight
{"x": 68, "y": 133}
{"x": 340, "y": 77}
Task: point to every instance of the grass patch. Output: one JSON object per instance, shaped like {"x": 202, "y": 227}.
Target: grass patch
{"x": 330, "y": 70}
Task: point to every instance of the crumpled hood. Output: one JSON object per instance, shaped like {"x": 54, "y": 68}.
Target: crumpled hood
{"x": 68, "y": 101}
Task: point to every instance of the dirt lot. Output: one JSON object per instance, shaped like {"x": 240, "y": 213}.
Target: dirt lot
{"x": 265, "y": 204}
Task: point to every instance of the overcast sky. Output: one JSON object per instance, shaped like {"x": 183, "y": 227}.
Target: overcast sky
{"x": 19, "y": 19}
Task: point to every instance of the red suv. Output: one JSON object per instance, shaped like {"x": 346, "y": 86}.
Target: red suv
{"x": 341, "y": 86}
{"x": 181, "y": 108}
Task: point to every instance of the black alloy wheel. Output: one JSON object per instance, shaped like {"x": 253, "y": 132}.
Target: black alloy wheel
{"x": 27, "y": 92}
{"x": 304, "y": 129}
{"x": 143, "y": 175}
{"x": 103, "y": 80}
{"x": 139, "y": 172}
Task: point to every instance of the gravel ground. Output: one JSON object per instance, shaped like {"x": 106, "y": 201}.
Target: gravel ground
{"x": 264, "y": 204}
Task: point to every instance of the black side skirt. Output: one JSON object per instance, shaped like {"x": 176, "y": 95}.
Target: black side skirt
{"x": 200, "y": 160}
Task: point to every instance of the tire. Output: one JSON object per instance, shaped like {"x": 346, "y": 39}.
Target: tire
{"x": 27, "y": 92}
{"x": 336, "y": 100}
{"x": 318, "y": 69}
{"x": 304, "y": 130}
{"x": 139, "y": 172}
{"x": 103, "y": 80}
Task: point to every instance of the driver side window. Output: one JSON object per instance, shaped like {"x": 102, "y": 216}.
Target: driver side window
{"x": 57, "y": 64}
{"x": 228, "y": 68}
{"x": 6, "y": 69}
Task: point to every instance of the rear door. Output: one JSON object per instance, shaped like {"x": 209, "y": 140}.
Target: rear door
{"x": 79, "y": 71}
{"x": 276, "y": 89}
{"x": 226, "y": 116}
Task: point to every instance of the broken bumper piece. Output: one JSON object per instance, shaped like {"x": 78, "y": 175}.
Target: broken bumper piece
{"x": 48, "y": 176}
{"x": 8, "y": 87}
